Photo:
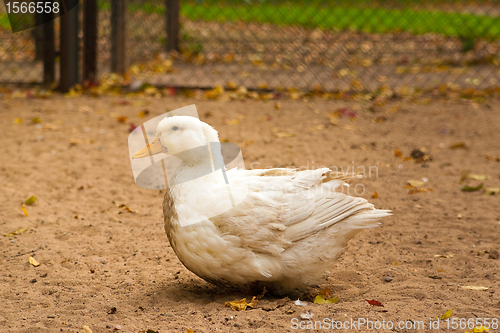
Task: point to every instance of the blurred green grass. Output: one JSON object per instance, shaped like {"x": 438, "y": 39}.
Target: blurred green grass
{"x": 340, "y": 15}
{"x": 355, "y": 15}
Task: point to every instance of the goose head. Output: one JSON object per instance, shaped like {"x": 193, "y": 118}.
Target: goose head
{"x": 179, "y": 135}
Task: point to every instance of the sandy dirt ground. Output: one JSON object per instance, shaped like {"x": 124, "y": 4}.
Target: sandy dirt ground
{"x": 114, "y": 270}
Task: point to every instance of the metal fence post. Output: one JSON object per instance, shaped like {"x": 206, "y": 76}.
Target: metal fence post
{"x": 48, "y": 47}
{"x": 89, "y": 40}
{"x": 69, "y": 49}
{"x": 173, "y": 13}
{"x": 118, "y": 34}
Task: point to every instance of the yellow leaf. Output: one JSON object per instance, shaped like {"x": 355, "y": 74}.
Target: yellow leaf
{"x": 474, "y": 288}
{"x": 18, "y": 121}
{"x": 33, "y": 261}
{"x": 416, "y": 183}
{"x": 24, "y": 210}
{"x": 398, "y": 153}
{"x": 16, "y": 232}
{"x": 444, "y": 255}
{"x": 242, "y": 304}
{"x": 478, "y": 177}
{"x": 375, "y": 195}
{"x": 479, "y": 329}
{"x": 447, "y": 314}
{"x": 189, "y": 331}
{"x": 36, "y": 120}
{"x": 491, "y": 190}
{"x": 277, "y": 105}
{"x": 320, "y": 300}
{"x": 86, "y": 329}
{"x": 31, "y": 200}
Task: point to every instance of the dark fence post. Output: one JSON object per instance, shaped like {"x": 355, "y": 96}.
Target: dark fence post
{"x": 38, "y": 35}
{"x": 89, "y": 40}
{"x": 49, "y": 53}
{"x": 173, "y": 13}
{"x": 69, "y": 49}
{"x": 118, "y": 34}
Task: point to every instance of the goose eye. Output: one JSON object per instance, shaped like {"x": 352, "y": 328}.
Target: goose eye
{"x": 175, "y": 128}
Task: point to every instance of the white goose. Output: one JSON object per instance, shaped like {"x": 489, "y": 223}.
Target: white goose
{"x": 285, "y": 231}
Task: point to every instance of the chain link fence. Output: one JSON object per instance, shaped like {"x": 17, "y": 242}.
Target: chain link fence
{"x": 328, "y": 44}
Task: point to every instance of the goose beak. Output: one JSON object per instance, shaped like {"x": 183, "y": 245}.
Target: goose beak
{"x": 153, "y": 148}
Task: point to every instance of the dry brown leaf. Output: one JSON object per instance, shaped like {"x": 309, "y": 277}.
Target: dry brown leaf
{"x": 458, "y": 145}
{"x": 398, "y": 153}
{"x": 242, "y": 304}
{"x": 375, "y": 195}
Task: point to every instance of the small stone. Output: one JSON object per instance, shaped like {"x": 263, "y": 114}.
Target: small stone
{"x": 118, "y": 327}
{"x": 425, "y": 165}
{"x": 33, "y": 281}
{"x": 388, "y": 279}
{"x": 493, "y": 255}
{"x": 416, "y": 154}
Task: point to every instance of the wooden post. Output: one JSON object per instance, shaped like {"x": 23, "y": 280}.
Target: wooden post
{"x": 38, "y": 35}
{"x": 118, "y": 34}
{"x": 69, "y": 49}
{"x": 48, "y": 50}
{"x": 89, "y": 40}
{"x": 173, "y": 13}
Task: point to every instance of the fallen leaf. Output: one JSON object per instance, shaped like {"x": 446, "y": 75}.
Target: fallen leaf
{"x": 33, "y": 261}
{"x": 320, "y": 300}
{"x": 277, "y": 133}
{"x": 142, "y": 113}
{"x": 375, "y": 195}
{"x": 325, "y": 292}
{"x": 398, "y": 153}
{"x": 188, "y": 331}
{"x": 491, "y": 190}
{"x": 477, "y": 177}
{"x": 18, "y": 121}
{"x": 444, "y": 255}
{"x": 24, "y": 210}
{"x": 374, "y": 302}
{"x": 16, "y": 232}
{"x": 416, "y": 183}
{"x": 474, "y": 288}
{"x": 122, "y": 119}
{"x": 458, "y": 145}
{"x": 277, "y": 105}
{"x": 86, "y": 329}
{"x": 36, "y": 120}
{"x": 300, "y": 303}
{"x": 31, "y": 200}
{"x": 419, "y": 190}
{"x": 468, "y": 188}
{"x": 447, "y": 314}
{"x": 242, "y": 304}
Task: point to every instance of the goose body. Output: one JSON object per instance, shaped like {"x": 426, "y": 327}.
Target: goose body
{"x": 285, "y": 230}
